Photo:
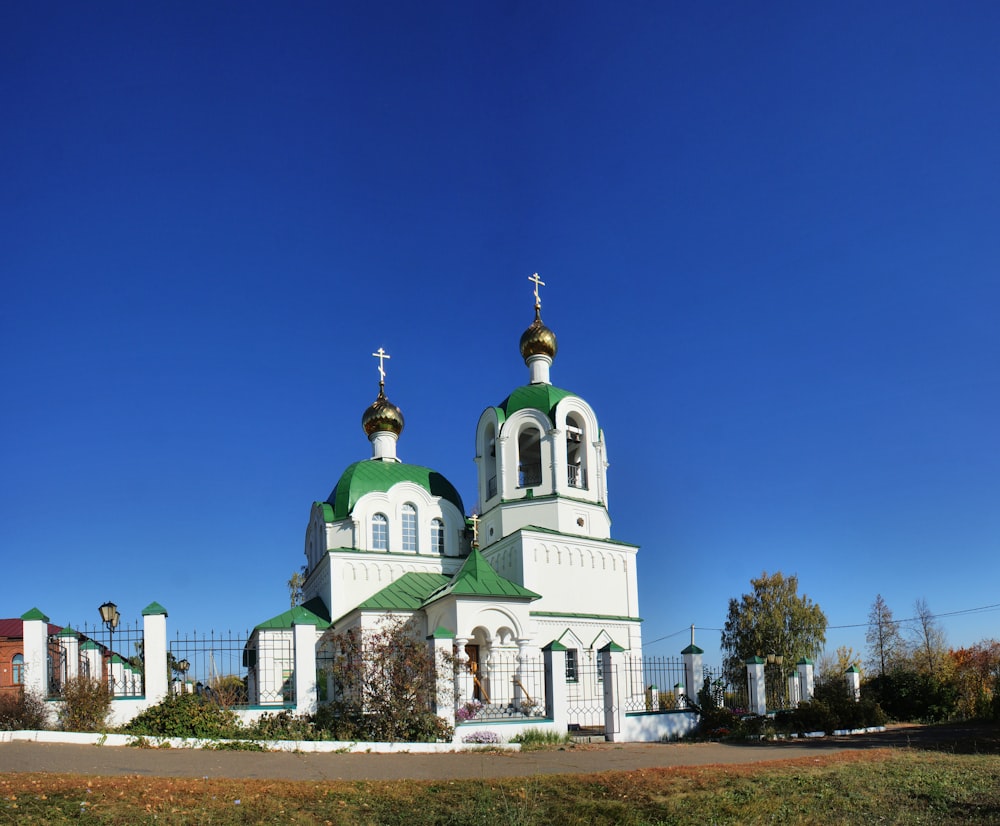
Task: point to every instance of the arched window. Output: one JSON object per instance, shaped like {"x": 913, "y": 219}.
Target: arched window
{"x": 576, "y": 453}
{"x": 490, "y": 460}
{"x": 17, "y": 669}
{"x": 437, "y": 536}
{"x": 409, "y": 528}
{"x": 529, "y": 457}
{"x": 380, "y": 532}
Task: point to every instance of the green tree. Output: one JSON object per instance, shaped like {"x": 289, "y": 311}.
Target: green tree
{"x": 298, "y": 579}
{"x": 772, "y": 619}
{"x": 886, "y": 647}
{"x": 930, "y": 645}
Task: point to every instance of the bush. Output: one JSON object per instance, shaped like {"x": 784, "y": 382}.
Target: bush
{"x": 186, "y": 715}
{"x": 23, "y": 711}
{"x": 486, "y": 737}
{"x": 86, "y": 704}
{"x": 537, "y": 738}
{"x": 282, "y": 726}
{"x": 910, "y": 696}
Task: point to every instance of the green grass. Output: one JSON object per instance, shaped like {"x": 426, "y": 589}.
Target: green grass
{"x": 878, "y": 786}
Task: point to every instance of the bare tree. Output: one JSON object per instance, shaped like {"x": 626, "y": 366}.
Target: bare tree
{"x": 885, "y": 644}
{"x": 930, "y": 645}
{"x": 295, "y": 584}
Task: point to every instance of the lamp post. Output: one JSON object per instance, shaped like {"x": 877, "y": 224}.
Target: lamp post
{"x": 183, "y": 666}
{"x": 110, "y": 617}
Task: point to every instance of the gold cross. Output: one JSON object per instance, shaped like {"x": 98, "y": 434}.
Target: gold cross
{"x": 381, "y": 355}
{"x": 538, "y": 283}
{"x": 475, "y": 530}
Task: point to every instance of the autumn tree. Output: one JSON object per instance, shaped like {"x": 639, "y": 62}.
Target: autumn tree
{"x": 977, "y": 676}
{"x": 772, "y": 619}
{"x": 295, "y": 583}
{"x": 886, "y": 646}
{"x": 929, "y": 644}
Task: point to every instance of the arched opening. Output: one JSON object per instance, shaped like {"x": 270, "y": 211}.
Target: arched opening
{"x": 576, "y": 452}
{"x": 410, "y": 528}
{"x": 529, "y": 457}
{"x": 490, "y": 460}
{"x": 380, "y": 532}
{"x": 437, "y": 537}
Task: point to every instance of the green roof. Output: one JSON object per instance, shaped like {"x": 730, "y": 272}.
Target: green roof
{"x": 476, "y": 578}
{"x": 34, "y": 614}
{"x": 154, "y": 609}
{"x": 376, "y": 475}
{"x": 405, "y": 594}
{"x": 311, "y": 613}
{"x": 542, "y": 397}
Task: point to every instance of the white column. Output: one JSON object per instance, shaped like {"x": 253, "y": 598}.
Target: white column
{"x": 304, "y": 673}
{"x": 69, "y": 642}
{"x": 613, "y": 662}
{"x": 440, "y": 645}
{"x": 463, "y": 678}
{"x": 807, "y": 683}
{"x": 525, "y": 675}
{"x": 35, "y": 639}
{"x": 154, "y": 652}
{"x": 755, "y": 682}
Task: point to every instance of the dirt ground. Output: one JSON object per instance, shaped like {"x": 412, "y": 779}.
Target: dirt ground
{"x": 582, "y": 759}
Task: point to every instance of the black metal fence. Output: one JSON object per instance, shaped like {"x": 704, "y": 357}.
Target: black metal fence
{"x": 726, "y": 693}
{"x": 651, "y": 684}
{"x": 234, "y": 669}
{"x": 502, "y": 687}
{"x": 115, "y": 658}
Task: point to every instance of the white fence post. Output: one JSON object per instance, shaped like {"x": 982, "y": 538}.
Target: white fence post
{"x": 35, "y": 639}
{"x": 441, "y": 643}
{"x": 755, "y": 682}
{"x": 304, "y": 640}
{"x": 69, "y": 643}
{"x": 555, "y": 684}
{"x": 613, "y": 662}
{"x": 154, "y": 652}
{"x": 694, "y": 671}
{"x": 807, "y": 682}
{"x": 853, "y": 676}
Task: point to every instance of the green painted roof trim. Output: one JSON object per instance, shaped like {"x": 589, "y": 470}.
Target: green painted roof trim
{"x": 692, "y": 649}
{"x": 476, "y": 578}
{"x": 853, "y": 670}
{"x": 34, "y": 614}
{"x": 805, "y": 661}
{"x": 567, "y": 615}
{"x": 755, "y": 661}
{"x": 326, "y": 509}
{"x": 375, "y": 475}
{"x": 68, "y": 632}
{"x": 543, "y": 397}
{"x": 613, "y": 647}
{"x": 405, "y": 594}
{"x": 555, "y": 645}
{"x": 90, "y": 645}
{"x": 442, "y": 633}
{"x": 154, "y": 609}
{"x": 299, "y": 615}
{"x": 553, "y": 532}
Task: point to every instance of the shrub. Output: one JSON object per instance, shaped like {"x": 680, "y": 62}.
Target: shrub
{"x": 185, "y": 715}
{"x": 86, "y": 703}
{"x": 911, "y": 696}
{"x": 282, "y": 726}
{"x": 23, "y": 711}
{"x": 537, "y": 738}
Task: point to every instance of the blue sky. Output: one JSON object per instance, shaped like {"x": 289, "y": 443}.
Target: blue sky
{"x": 769, "y": 237}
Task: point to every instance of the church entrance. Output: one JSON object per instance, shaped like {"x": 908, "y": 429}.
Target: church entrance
{"x": 478, "y": 690}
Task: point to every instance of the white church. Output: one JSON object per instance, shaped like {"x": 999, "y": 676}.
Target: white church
{"x": 537, "y": 566}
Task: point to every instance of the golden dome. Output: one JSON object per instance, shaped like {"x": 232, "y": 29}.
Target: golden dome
{"x": 382, "y": 415}
{"x": 538, "y": 340}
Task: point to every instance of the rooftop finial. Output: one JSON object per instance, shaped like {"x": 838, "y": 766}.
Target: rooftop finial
{"x": 381, "y": 355}
{"x": 538, "y": 283}
{"x": 475, "y": 529}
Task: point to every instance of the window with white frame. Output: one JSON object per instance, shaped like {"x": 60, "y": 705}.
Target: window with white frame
{"x": 409, "y": 528}
{"x": 17, "y": 669}
{"x": 437, "y": 536}
{"x": 380, "y": 532}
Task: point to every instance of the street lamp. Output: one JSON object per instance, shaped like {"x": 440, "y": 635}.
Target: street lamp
{"x": 110, "y": 617}
{"x": 183, "y": 666}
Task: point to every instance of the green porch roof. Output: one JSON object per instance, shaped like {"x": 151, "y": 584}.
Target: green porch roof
{"x": 375, "y": 475}
{"x": 476, "y": 578}
{"x": 405, "y": 594}
{"x": 311, "y": 613}
{"x": 542, "y": 397}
